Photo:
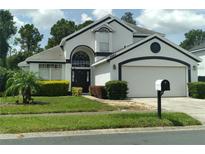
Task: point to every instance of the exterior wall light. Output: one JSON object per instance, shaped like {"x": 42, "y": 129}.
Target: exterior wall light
{"x": 194, "y": 67}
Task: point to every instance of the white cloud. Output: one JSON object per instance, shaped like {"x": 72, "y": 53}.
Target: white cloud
{"x": 44, "y": 19}
{"x": 85, "y": 17}
{"x": 171, "y": 21}
{"x": 99, "y": 13}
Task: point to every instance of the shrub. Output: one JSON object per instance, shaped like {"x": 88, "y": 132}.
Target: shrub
{"x": 98, "y": 91}
{"x": 24, "y": 83}
{"x": 53, "y": 88}
{"x": 116, "y": 89}
{"x": 197, "y": 89}
{"x": 77, "y": 91}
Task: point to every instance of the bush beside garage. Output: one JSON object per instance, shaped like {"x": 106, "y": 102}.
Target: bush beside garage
{"x": 115, "y": 89}
{"x": 197, "y": 89}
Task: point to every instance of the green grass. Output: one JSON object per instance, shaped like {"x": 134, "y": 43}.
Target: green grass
{"x": 53, "y": 105}
{"x": 22, "y": 124}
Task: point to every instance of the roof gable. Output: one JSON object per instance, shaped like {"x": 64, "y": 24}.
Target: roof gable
{"x": 136, "y": 30}
{"x": 96, "y": 23}
{"x": 107, "y": 20}
{"x": 178, "y": 48}
{"x": 164, "y": 40}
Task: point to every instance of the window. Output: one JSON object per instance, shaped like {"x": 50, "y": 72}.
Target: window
{"x": 44, "y": 71}
{"x": 56, "y": 71}
{"x": 50, "y": 65}
{"x": 50, "y": 71}
{"x": 104, "y": 42}
{"x": 104, "y": 46}
{"x": 80, "y": 59}
{"x": 103, "y": 29}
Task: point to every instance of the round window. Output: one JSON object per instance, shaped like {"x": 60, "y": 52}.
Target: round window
{"x": 155, "y": 47}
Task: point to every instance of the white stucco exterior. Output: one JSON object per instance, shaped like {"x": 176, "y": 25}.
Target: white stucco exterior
{"x": 110, "y": 49}
{"x": 201, "y": 65}
{"x": 102, "y": 74}
{"x": 166, "y": 51}
{"x": 121, "y": 37}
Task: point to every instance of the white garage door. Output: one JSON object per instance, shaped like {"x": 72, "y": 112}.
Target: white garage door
{"x": 141, "y": 80}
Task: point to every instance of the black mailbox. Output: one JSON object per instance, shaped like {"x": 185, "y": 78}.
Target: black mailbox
{"x": 165, "y": 85}
{"x": 162, "y": 85}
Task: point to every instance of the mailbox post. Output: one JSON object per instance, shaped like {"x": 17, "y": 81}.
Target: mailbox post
{"x": 161, "y": 86}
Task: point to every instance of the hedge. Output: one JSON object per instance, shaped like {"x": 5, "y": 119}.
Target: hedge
{"x": 197, "y": 89}
{"x": 53, "y": 88}
{"x": 77, "y": 91}
{"x": 116, "y": 89}
{"x": 98, "y": 91}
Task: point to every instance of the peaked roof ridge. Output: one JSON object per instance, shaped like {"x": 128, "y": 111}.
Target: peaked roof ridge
{"x": 107, "y": 17}
{"x": 134, "y": 45}
{"x": 122, "y": 22}
{"x": 107, "y": 20}
{"x": 103, "y": 25}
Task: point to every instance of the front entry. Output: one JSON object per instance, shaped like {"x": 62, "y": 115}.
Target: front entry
{"x": 81, "y": 78}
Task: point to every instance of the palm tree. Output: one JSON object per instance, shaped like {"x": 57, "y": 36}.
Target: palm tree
{"x": 23, "y": 83}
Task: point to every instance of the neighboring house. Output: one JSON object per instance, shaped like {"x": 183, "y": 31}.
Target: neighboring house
{"x": 110, "y": 49}
{"x": 199, "y": 50}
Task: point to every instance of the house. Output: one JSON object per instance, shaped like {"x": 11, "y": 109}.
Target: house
{"x": 199, "y": 50}
{"x": 110, "y": 49}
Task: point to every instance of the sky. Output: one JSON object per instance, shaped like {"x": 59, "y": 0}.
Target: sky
{"x": 173, "y": 23}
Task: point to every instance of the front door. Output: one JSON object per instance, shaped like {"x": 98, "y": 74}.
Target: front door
{"x": 81, "y": 78}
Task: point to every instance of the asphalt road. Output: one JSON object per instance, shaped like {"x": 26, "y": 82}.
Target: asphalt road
{"x": 147, "y": 138}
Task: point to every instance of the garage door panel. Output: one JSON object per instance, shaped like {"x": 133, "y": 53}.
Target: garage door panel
{"x": 141, "y": 80}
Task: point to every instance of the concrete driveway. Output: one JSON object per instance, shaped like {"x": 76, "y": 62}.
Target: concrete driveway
{"x": 191, "y": 106}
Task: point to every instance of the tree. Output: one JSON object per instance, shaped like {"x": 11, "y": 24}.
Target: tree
{"x": 7, "y": 29}
{"x": 23, "y": 83}
{"x": 60, "y": 30}
{"x": 192, "y": 38}
{"x": 29, "y": 38}
{"x": 86, "y": 23}
{"x": 13, "y": 60}
{"x": 128, "y": 18}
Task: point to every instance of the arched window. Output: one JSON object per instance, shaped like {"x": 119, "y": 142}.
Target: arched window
{"x": 80, "y": 59}
{"x": 104, "y": 29}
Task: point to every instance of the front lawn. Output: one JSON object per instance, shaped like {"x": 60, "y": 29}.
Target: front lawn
{"x": 53, "y": 105}
{"x": 22, "y": 124}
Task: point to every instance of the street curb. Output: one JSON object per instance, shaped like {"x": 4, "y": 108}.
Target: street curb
{"x": 100, "y": 132}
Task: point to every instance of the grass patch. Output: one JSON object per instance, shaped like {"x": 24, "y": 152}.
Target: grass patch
{"x": 22, "y": 124}
{"x": 60, "y": 104}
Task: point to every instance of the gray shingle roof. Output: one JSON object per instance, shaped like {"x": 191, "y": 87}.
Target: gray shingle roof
{"x": 23, "y": 64}
{"x": 54, "y": 54}
{"x": 140, "y": 30}
{"x": 199, "y": 46}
